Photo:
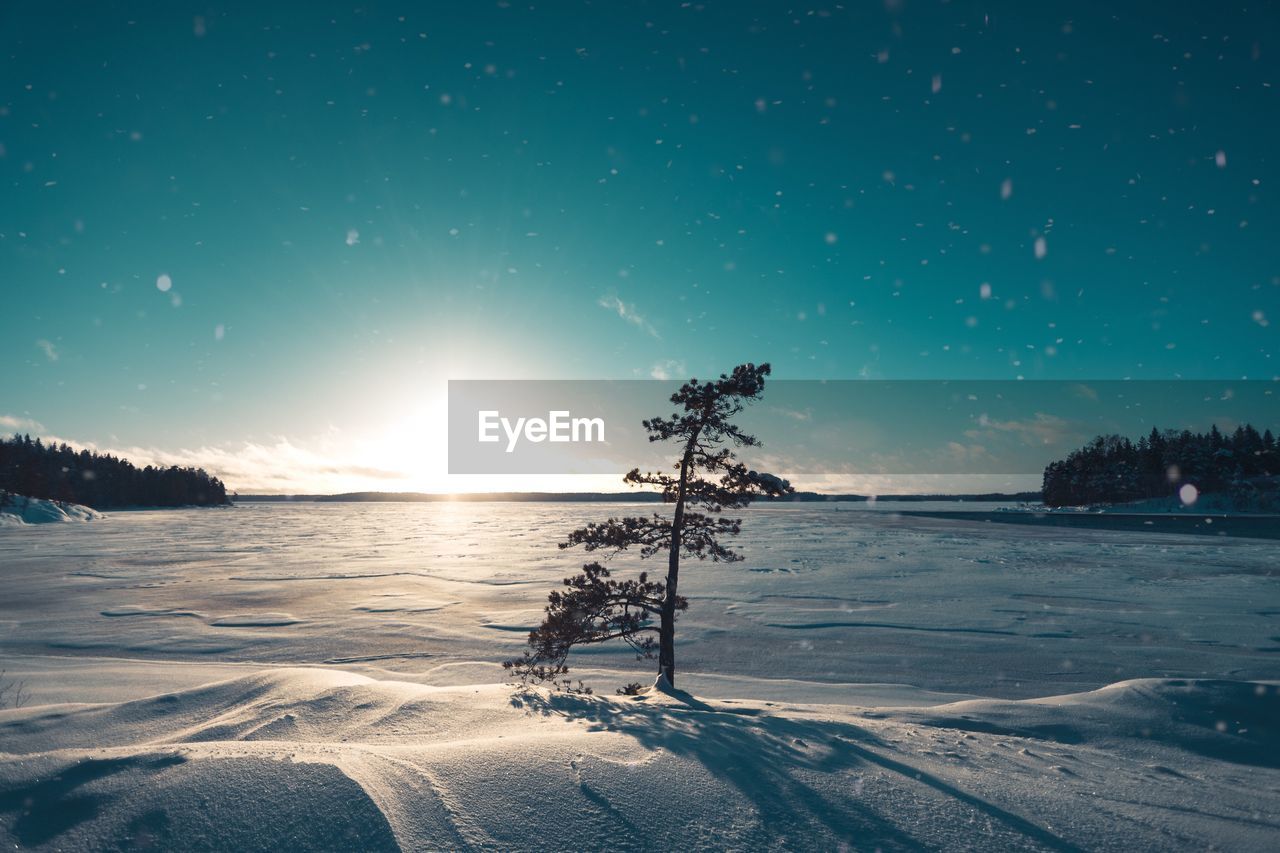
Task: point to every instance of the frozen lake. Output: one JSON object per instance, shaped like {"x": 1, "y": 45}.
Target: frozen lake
{"x": 441, "y": 593}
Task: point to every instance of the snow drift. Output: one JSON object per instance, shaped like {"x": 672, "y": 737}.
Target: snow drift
{"x": 18, "y": 510}
{"x": 322, "y": 759}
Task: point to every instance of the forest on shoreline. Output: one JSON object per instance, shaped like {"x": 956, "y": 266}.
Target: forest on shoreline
{"x": 1114, "y": 469}
{"x": 33, "y": 469}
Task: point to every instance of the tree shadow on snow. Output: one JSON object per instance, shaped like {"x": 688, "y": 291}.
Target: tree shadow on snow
{"x": 46, "y": 809}
{"x": 772, "y": 762}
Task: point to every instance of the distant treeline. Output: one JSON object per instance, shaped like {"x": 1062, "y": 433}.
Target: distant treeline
{"x": 611, "y": 497}
{"x": 1113, "y": 469}
{"x": 60, "y": 473}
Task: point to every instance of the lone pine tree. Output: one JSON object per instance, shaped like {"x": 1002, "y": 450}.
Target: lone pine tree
{"x": 594, "y": 607}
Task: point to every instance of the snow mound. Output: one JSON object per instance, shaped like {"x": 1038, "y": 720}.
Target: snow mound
{"x": 1234, "y": 721}
{"x": 309, "y": 758}
{"x": 18, "y": 511}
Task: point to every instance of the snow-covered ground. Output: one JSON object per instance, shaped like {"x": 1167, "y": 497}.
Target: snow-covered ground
{"x": 1210, "y": 504}
{"x": 17, "y": 510}
{"x": 327, "y": 676}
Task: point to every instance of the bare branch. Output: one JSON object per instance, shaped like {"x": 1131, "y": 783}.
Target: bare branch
{"x": 13, "y": 693}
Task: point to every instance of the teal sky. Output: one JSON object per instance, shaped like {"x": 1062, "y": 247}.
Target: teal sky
{"x": 350, "y": 206}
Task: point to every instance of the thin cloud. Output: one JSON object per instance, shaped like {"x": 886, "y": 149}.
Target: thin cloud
{"x": 794, "y": 414}
{"x": 667, "y": 370}
{"x": 13, "y": 422}
{"x": 627, "y": 312}
{"x": 279, "y": 466}
{"x": 1043, "y": 429}
{"x": 50, "y": 351}
{"x": 888, "y": 476}
{"x": 1085, "y": 392}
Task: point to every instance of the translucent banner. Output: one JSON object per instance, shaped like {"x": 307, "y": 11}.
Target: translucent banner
{"x": 854, "y": 427}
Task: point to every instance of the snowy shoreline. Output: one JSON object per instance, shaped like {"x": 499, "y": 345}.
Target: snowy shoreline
{"x": 1246, "y": 525}
{"x": 20, "y": 511}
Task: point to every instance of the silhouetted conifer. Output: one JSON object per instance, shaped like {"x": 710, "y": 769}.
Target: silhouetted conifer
{"x": 707, "y": 479}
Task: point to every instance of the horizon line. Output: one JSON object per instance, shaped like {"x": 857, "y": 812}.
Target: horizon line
{"x": 639, "y": 496}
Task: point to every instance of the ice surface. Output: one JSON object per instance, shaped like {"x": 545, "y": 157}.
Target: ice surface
{"x": 828, "y": 597}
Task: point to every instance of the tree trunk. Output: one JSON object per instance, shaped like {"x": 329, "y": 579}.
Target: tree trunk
{"x": 667, "y": 640}
{"x": 667, "y": 630}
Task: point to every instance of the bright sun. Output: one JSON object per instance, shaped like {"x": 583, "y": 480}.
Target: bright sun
{"x": 415, "y": 447}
